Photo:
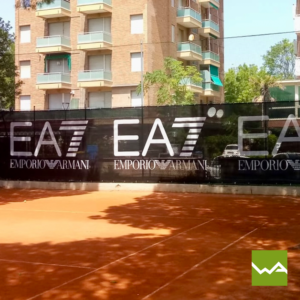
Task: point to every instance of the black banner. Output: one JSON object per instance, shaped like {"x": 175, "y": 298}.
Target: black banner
{"x": 228, "y": 143}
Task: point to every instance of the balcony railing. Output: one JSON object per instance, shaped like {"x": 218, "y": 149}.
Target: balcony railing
{"x": 211, "y": 24}
{"x": 189, "y": 12}
{"x": 94, "y": 37}
{"x": 55, "y": 4}
{"x": 189, "y": 47}
{"x": 88, "y": 2}
{"x": 48, "y": 78}
{"x": 188, "y": 81}
{"x": 211, "y": 55}
{"x": 51, "y": 41}
{"x": 210, "y": 86}
{"x": 92, "y": 75}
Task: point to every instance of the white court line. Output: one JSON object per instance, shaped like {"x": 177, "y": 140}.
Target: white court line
{"x": 197, "y": 265}
{"x": 38, "y": 263}
{"x": 118, "y": 260}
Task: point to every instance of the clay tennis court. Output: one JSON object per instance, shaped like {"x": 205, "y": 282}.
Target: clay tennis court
{"x": 133, "y": 245}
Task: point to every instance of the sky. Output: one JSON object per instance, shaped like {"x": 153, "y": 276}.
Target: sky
{"x": 241, "y": 17}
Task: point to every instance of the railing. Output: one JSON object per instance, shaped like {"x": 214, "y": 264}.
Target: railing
{"x": 211, "y": 24}
{"x": 210, "y": 86}
{"x": 55, "y": 40}
{"x": 211, "y": 55}
{"x": 189, "y": 47}
{"x": 55, "y": 4}
{"x": 91, "y": 75}
{"x": 188, "y": 12}
{"x": 53, "y": 78}
{"x": 188, "y": 81}
{"x": 87, "y": 2}
{"x": 93, "y": 37}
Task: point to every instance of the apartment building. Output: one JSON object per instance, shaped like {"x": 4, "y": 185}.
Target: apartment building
{"x": 91, "y": 53}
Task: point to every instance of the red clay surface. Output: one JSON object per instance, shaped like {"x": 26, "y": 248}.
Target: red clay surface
{"x": 136, "y": 246}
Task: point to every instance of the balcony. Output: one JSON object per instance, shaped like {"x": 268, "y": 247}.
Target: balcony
{"x": 210, "y": 27}
{"x": 94, "y": 41}
{"x": 56, "y": 9}
{"x": 194, "y": 87}
{"x": 211, "y": 58}
{"x": 210, "y": 3}
{"x": 189, "y": 18}
{"x": 210, "y": 89}
{"x": 50, "y": 81}
{"x": 53, "y": 44}
{"x": 94, "y": 78}
{"x": 94, "y": 6}
{"x": 189, "y": 51}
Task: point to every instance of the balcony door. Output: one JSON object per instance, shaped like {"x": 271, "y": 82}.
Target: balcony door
{"x": 100, "y": 24}
{"x": 100, "y": 100}
{"x": 100, "y": 62}
{"x": 58, "y": 66}
{"x": 56, "y": 101}
{"x": 62, "y": 29}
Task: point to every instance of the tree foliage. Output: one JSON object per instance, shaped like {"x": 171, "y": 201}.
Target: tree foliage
{"x": 31, "y": 3}
{"x": 280, "y": 60}
{"x": 10, "y": 85}
{"x": 249, "y": 83}
{"x": 237, "y": 84}
{"x": 170, "y": 82}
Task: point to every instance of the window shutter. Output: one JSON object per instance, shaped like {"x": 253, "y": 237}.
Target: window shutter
{"x": 25, "y": 69}
{"x": 137, "y": 26}
{"x": 25, "y": 34}
{"x": 25, "y": 103}
{"x": 136, "y": 62}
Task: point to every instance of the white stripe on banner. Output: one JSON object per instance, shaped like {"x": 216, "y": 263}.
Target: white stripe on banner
{"x": 188, "y": 148}
{"x": 72, "y": 128}
{"x": 190, "y": 119}
{"x": 190, "y": 143}
{"x": 186, "y": 154}
{"x": 192, "y": 137}
{"x": 71, "y": 154}
{"x": 78, "y": 132}
{"x": 75, "y": 144}
{"x": 78, "y": 138}
{"x": 181, "y": 125}
{"x": 72, "y": 149}
{"x": 74, "y": 122}
{"x": 194, "y": 130}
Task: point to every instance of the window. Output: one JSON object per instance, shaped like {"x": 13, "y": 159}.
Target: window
{"x": 25, "y": 69}
{"x": 100, "y": 24}
{"x": 172, "y": 3}
{"x": 56, "y": 101}
{"x": 136, "y": 62}
{"x": 25, "y": 103}
{"x": 173, "y": 34}
{"x": 100, "y": 62}
{"x": 100, "y": 100}
{"x": 62, "y": 28}
{"x": 25, "y": 34}
{"x": 137, "y": 26}
{"x": 136, "y": 100}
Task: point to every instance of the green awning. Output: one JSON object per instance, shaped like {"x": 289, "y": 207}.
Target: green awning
{"x": 214, "y": 71}
{"x": 216, "y": 80}
{"x": 57, "y": 57}
{"x": 214, "y": 6}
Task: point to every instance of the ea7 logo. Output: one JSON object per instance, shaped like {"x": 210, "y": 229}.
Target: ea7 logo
{"x": 78, "y": 127}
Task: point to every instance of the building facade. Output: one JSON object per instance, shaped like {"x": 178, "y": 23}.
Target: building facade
{"x": 89, "y": 53}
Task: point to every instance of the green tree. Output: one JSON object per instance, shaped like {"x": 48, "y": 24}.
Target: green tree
{"x": 237, "y": 84}
{"x": 31, "y": 3}
{"x": 10, "y": 85}
{"x": 280, "y": 60}
{"x": 261, "y": 84}
{"x": 170, "y": 82}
